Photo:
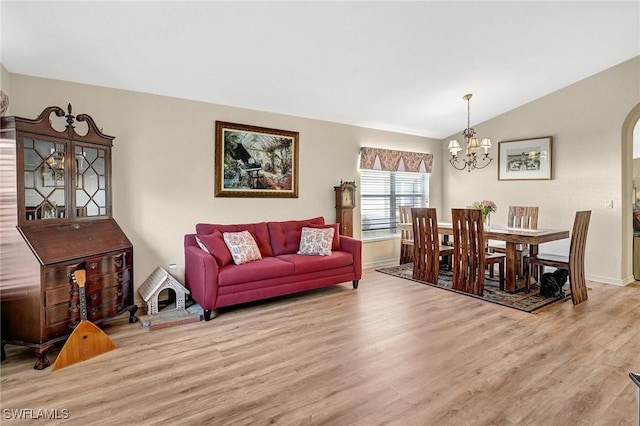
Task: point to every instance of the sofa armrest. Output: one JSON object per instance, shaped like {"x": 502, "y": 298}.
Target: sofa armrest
{"x": 201, "y": 276}
{"x": 353, "y": 246}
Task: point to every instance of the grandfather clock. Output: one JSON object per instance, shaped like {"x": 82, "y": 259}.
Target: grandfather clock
{"x": 345, "y": 202}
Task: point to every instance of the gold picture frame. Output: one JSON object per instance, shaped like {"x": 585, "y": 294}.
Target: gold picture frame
{"x": 253, "y": 161}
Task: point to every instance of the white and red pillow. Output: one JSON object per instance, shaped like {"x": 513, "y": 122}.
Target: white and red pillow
{"x": 242, "y": 246}
{"x": 316, "y": 241}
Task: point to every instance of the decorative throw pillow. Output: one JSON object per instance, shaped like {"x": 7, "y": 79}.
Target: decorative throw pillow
{"x": 315, "y": 241}
{"x": 201, "y": 245}
{"x": 215, "y": 245}
{"x": 242, "y": 246}
{"x": 335, "y": 244}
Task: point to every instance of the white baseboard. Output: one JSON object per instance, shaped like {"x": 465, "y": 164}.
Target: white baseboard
{"x": 380, "y": 264}
{"x": 608, "y": 280}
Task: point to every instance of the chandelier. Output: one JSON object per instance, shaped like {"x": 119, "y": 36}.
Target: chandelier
{"x": 471, "y": 160}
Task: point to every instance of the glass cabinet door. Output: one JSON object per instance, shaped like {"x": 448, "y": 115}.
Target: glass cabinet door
{"x": 91, "y": 181}
{"x": 44, "y": 179}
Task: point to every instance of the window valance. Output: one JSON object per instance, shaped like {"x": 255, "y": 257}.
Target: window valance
{"x": 395, "y": 161}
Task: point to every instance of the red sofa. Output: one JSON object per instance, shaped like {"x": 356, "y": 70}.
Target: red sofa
{"x": 215, "y": 281}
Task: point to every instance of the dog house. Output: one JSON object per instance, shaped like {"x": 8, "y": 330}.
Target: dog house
{"x": 153, "y": 286}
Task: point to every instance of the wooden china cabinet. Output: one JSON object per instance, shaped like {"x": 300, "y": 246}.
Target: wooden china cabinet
{"x": 55, "y": 211}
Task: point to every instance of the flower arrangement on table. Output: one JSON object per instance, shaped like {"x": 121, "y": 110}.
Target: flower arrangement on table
{"x": 487, "y": 207}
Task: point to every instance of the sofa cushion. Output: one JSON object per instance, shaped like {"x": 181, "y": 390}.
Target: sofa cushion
{"x": 268, "y": 267}
{"x": 242, "y": 246}
{"x": 304, "y": 264}
{"x": 335, "y": 245}
{"x": 258, "y": 230}
{"x": 214, "y": 244}
{"x": 316, "y": 242}
{"x": 285, "y": 236}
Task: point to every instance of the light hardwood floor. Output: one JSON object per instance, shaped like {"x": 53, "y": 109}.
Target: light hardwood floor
{"x": 392, "y": 352}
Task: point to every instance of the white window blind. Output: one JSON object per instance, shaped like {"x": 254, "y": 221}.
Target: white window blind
{"x": 381, "y": 192}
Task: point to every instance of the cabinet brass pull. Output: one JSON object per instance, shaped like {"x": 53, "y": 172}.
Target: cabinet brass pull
{"x": 118, "y": 262}
{"x": 73, "y": 292}
{"x": 94, "y": 296}
{"x": 93, "y": 265}
{"x": 73, "y": 309}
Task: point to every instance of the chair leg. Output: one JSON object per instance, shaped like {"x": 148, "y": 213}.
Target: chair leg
{"x": 406, "y": 254}
{"x": 501, "y": 275}
{"x": 578, "y": 286}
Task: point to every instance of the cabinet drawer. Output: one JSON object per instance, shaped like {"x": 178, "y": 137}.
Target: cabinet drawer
{"x": 60, "y": 319}
{"x": 60, "y": 329}
{"x": 58, "y": 295}
{"x": 57, "y": 276}
{"x": 62, "y": 312}
{"x": 108, "y": 296}
{"x": 108, "y": 264}
{"x": 98, "y": 282}
{"x": 96, "y": 313}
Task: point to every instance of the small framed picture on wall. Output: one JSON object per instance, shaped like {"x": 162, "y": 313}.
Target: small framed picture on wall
{"x": 525, "y": 159}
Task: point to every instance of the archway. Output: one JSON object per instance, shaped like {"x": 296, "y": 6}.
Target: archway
{"x": 627, "y": 187}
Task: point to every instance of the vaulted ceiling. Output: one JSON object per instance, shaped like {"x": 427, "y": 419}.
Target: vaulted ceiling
{"x": 401, "y": 66}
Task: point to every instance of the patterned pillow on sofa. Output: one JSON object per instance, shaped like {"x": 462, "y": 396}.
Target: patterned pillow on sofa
{"x": 316, "y": 241}
{"x": 242, "y": 246}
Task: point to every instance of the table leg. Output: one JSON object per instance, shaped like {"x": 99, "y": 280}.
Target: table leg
{"x": 533, "y": 251}
{"x": 510, "y": 273}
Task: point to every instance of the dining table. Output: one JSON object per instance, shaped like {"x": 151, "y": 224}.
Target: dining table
{"x": 513, "y": 237}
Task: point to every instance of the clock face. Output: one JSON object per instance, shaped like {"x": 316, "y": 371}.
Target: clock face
{"x": 347, "y": 198}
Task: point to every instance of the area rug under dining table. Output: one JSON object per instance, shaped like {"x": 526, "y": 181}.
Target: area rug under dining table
{"x": 527, "y": 302}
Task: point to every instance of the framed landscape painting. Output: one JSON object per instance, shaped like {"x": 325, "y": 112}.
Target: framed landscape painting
{"x": 255, "y": 161}
{"x": 525, "y": 159}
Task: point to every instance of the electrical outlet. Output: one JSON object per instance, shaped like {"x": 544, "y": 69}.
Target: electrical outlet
{"x": 608, "y": 204}
{"x": 173, "y": 268}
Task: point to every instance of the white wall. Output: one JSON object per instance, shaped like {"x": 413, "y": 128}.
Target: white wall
{"x": 5, "y": 85}
{"x": 163, "y": 159}
{"x": 585, "y": 120}
{"x": 636, "y": 141}
{"x": 163, "y": 164}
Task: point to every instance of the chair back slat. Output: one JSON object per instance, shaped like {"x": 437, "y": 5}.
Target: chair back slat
{"x": 523, "y": 217}
{"x": 405, "y": 217}
{"x": 468, "y": 251}
{"x": 426, "y": 247}
{"x": 576, "y": 255}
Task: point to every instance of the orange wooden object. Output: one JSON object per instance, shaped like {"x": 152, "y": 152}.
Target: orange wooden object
{"x": 426, "y": 245}
{"x": 574, "y": 263}
{"x": 469, "y": 257}
{"x": 86, "y": 340}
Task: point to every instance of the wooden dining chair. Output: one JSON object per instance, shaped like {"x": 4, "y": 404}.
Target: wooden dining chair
{"x": 406, "y": 235}
{"x": 427, "y": 251}
{"x": 523, "y": 218}
{"x": 574, "y": 263}
{"x": 469, "y": 255}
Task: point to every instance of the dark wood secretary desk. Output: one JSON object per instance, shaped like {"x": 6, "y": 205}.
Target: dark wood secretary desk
{"x": 56, "y": 217}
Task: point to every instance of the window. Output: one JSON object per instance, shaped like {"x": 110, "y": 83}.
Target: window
{"x": 382, "y": 192}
